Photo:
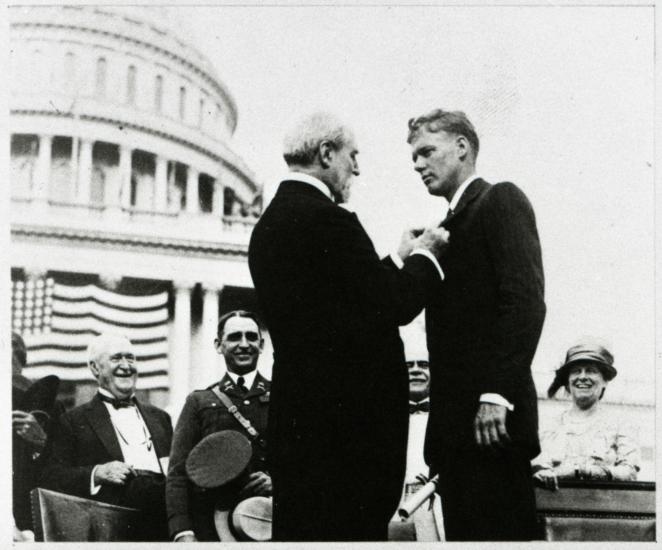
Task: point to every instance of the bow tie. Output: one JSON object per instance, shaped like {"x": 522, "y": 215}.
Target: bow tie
{"x": 117, "y": 403}
{"x": 423, "y": 406}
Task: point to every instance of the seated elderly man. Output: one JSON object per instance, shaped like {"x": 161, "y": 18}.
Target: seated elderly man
{"x": 191, "y": 509}
{"x": 114, "y": 448}
{"x": 587, "y": 442}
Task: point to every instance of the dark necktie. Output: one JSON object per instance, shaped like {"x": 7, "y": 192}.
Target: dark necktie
{"x": 117, "y": 403}
{"x": 449, "y": 213}
{"x": 241, "y": 384}
{"x": 424, "y": 406}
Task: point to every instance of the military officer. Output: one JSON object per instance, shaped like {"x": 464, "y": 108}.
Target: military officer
{"x": 190, "y": 508}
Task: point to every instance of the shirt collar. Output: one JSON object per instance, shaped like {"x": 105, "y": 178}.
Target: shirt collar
{"x": 427, "y": 399}
{"x": 105, "y": 392}
{"x": 458, "y": 194}
{"x": 310, "y": 180}
{"x": 248, "y": 378}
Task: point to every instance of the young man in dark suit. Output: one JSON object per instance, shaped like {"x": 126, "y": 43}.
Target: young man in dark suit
{"x": 338, "y": 415}
{"x": 483, "y": 326}
{"x": 114, "y": 448}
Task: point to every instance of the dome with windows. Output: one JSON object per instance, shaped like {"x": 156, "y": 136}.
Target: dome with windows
{"x": 123, "y": 173}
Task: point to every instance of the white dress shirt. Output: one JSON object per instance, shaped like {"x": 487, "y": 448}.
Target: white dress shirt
{"x": 249, "y": 378}
{"x": 133, "y": 437}
{"x": 415, "y": 462}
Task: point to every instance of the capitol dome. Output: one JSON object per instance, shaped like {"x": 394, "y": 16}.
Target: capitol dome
{"x": 123, "y": 177}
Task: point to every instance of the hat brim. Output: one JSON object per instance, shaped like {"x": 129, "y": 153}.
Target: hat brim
{"x": 608, "y": 371}
{"x": 218, "y": 459}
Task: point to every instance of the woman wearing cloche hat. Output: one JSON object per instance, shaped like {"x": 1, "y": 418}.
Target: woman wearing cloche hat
{"x": 587, "y": 441}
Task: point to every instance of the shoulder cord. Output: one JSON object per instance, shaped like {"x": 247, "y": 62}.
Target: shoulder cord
{"x": 232, "y": 409}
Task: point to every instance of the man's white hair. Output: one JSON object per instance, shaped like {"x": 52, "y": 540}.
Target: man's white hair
{"x": 301, "y": 143}
{"x": 100, "y": 344}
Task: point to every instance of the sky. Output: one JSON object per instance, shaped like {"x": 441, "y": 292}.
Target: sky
{"x": 563, "y": 102}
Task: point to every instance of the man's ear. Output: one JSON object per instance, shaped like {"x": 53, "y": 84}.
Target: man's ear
{"x": 325, "y": 153}
{"x": 463, "y": 147}
{"x": 94, "y": 369}
{"x": 217, "y": 345}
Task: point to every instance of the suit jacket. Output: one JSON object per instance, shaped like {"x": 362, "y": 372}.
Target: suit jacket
{"x": 339, "y": 391}
{"x": 203, "y": 414}
{"x": 27, "y": 460}
{"x": 84, "y": 437}
{"x": 484, "y": 323}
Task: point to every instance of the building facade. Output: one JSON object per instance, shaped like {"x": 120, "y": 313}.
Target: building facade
{"x": 123, "y": 176}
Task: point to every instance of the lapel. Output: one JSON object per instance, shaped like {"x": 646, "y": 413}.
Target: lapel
{"x": 227, "y": 386}
{"x": 98, "y": 417}
{"x": 259, "y": 386}
{"x": 155, "y": 430}
{"x": 475, "y": 188}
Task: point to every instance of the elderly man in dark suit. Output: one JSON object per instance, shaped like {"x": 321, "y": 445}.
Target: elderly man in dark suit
{"x": 114, "y": 448}
{"x": 338, "y": 416}
{"x": 483, "y": 326}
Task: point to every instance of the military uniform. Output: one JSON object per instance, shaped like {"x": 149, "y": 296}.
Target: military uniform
{"x": 190, "y": 507}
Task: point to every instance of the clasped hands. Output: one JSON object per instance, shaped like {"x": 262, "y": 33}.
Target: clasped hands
{"x": 433, "y": 239}
{"x": 549, "y": 477}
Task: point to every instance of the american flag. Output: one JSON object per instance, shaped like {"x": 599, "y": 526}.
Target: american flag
{"x": 58, "y": 321}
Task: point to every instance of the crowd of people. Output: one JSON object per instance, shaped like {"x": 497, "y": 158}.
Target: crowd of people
{"x": 324, "y": 448}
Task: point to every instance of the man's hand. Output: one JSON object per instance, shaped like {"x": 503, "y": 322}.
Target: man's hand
{"x": 186, "y": 538}
{"x": 434, "y": 239}
{"x": 547, "y": 476}
{"x": 112, "y": 473}
{"x": 259, "y": 485}
{"x": 26, "y": 426}
{"x": 490, "y": 426}
{"x": 407, "y": 242}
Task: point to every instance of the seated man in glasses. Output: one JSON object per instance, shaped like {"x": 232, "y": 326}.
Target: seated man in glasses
{"x": 114, "y": 448}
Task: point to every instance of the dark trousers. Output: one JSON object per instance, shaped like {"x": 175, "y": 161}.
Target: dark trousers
{"x": 326, "y": 513}
{"x": 147, "y": 493}
{"x": 487, "y": 496}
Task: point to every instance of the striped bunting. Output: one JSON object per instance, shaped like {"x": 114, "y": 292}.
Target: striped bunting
{"x": 58, "y": 321}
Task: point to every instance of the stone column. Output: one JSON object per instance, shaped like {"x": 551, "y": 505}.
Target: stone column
{"x": 217, "y": 207}
{"x": 43, "y": 175}
{"x": 192, "y": 200}
{"x": 161, "y": 184}
{"x": 84, "y": 171}
{"x": 180, "y": 358}
{"x": 209, "y": 370}
{"x": 125, "y": 176}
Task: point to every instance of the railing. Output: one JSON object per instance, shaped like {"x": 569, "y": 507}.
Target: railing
{"x": 238, "y": 224}
{"x": 75, "y": 214}
{"x": 597, "y": 511}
